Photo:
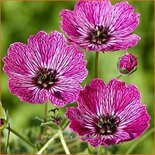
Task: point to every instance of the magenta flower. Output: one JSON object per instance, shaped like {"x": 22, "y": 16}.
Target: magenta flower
{"x": 108, "y": 114}
{"x": 127, "y": 64}
{"x": 101, "y": 26}
{"x": 45, "y": 69}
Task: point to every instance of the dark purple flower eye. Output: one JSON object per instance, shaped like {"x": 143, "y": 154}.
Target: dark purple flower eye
{"x": 46, "y": 78}
{"x": 45, "y": 69}
{"x": 101, "y": 26}
{"x": 107, "y": 124}
{"x": 127, "y": 64}
{"x": 108, "y": 114}
{"x": 99, "y": 35}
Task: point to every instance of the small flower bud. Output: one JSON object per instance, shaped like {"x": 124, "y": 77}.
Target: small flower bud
{"x": 56, "y": 118}
{"x": 127, "y": 64}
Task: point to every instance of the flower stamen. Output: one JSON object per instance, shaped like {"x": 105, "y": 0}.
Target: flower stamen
{"x": 107, "y": 124}
{"x": 46, "y": 78}
{"x": 98, "y": 35}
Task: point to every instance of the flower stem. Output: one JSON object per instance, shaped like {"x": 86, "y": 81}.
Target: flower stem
{"x": 59, "y": 133}
{"x": 45, "y": 112}
{"x": 129, "y": 151}
{"x": 96, "y": 63}
{"x": 48, "y": 142}
{"x": 20, "y": 136}
{"x": 8, "y": 138}
{"x": 63, "y": 142}
{"x": 100, "y": 150}
{"x": 45, "y": 116}
{"x": 72, "y": 145}
{"x": 105, "y": 150}
{"x": 90, "y": 149}
{"x": 119, "y": 76}
{"x": 65, "y": 125}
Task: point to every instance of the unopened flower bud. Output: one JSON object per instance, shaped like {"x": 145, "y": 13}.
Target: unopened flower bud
{"x": 56, "y": 118}
{"x": 127, "y": 64}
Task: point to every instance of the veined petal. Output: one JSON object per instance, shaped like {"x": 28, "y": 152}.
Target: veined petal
{"x": 70, "y": 62}
{"x": 23, "y": 88}
{"x": 124, "y": 19}
{"x": 65, "y": 91}
{"x": 89, "y": 98}
{"x": 77, "y": 124}
{"x": 44, "y": 46}
{"x": 18, "y": 54}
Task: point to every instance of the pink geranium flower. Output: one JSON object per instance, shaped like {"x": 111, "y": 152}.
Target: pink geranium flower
{"x": 45, "y": 69}
{"x": 101, "y": 26}
{"x": 108, "y": 114}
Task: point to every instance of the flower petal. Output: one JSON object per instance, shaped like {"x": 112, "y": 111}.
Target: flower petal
{"x": 94, "y": 12}
{"x": 18, "y": 54}
{"x": 124, "y": 20}
{"x": 77, "y": 123}
{"x": 89, "y": 98}
{"x": 23, "y": 88}
{"x": 65, "y": 91}
{"x": 121, "y": 43}
{"x": 68, "y": 23}
{"x": 134, "y": 122}
{"x": 44, "y": 46}
{"x": 70, "y": 62}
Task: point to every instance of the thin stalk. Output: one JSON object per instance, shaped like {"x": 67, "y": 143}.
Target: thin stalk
{"x": 100, "y": 150}
{"x": 63, "y": 128}
{"x": 129, "y": 151}
{"x": 8, "y": 138}
{"x": 58, "y": 145}
{"x": 52, "y": 139}
{"x": 105, "y": 150}
{"x": 57, "y": 151}
{"x": 37, "y": 118}
{"x": 47, "y": 123}
{"x": 20, "y": 136}
{"x": 96, "y": 63}
{"x": 45, "y": 117}
{"x": 48, "y": 142}
{"x": 119, "y": 76}
{"x": 90, "y": 149}
{"x": 63, "y": 142}
{"x": 45, "y": 112}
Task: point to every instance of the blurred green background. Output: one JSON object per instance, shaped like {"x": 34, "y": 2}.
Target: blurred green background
{"x": 22, "y": 19}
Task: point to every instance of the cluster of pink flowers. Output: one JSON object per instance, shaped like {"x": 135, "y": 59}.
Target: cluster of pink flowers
{"x": 47, "y": 68}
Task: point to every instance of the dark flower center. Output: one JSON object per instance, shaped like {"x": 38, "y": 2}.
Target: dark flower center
{"x": 46, "y": 78}
{"x": 99, "y": 35}
{"x": 107, "y": 124}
